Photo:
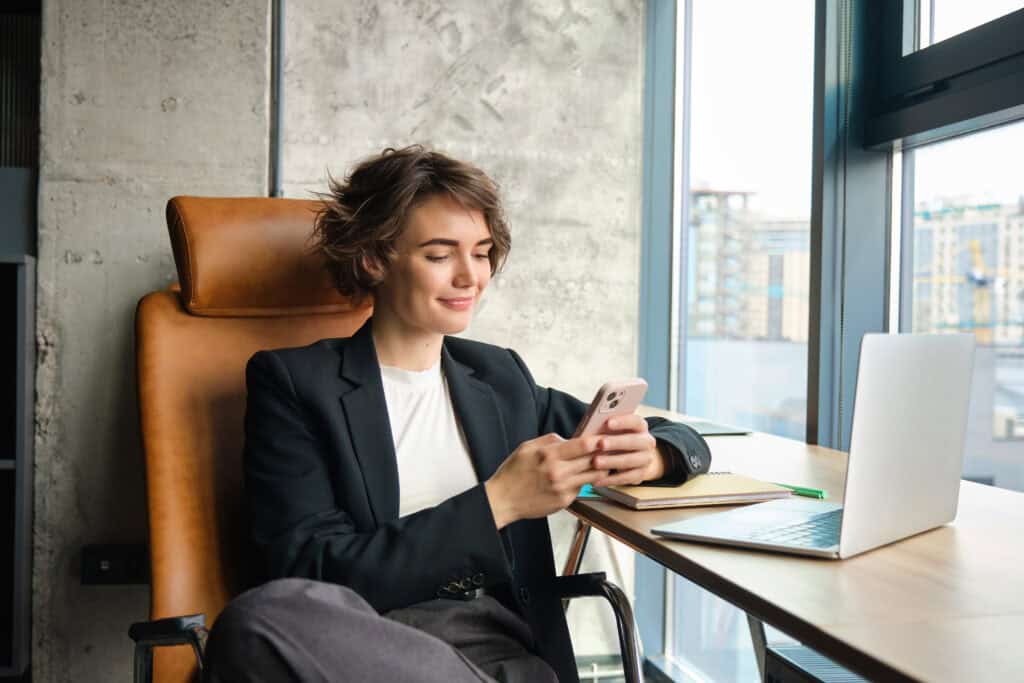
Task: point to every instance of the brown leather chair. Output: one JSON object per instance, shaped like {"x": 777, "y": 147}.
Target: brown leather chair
{"x": 248, "y": 281}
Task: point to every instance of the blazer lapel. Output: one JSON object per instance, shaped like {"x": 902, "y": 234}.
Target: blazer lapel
{"x": 477, "y": 410}
{"x": 366, "y": 412}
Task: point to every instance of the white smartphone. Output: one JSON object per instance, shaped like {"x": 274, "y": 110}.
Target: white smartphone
{"x": 617, "y": 397}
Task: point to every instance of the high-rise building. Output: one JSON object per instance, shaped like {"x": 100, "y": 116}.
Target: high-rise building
{"x": 750, "y": 274}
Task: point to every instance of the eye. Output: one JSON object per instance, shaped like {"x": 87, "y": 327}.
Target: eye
{"x": 437, "y": 258}
{"x": 482, "y": 256}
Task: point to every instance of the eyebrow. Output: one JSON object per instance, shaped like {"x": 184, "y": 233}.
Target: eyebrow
{"x": 454, "y": 243}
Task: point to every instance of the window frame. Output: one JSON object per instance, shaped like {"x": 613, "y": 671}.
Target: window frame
{"x": 967, "y": 82}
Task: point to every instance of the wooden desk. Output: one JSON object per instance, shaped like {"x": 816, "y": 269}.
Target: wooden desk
{"x": 945, "y": 605}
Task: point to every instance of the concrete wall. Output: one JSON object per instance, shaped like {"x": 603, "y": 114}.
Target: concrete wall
{"x": 143, "y": 100}
{"x": 140, "y": 101}
{"x": 545, "y": 96}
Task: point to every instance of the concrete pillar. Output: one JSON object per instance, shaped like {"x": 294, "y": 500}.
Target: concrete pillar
{"x": 140, "y": 101}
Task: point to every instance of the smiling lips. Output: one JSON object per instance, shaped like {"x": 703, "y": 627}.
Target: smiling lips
{"x": 458, "y": 304}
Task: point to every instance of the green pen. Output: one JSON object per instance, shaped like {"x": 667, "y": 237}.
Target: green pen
{"x": 804, "y": 491}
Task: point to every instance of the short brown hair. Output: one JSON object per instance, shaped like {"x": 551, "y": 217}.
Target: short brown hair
{"x": 362, "y": 217}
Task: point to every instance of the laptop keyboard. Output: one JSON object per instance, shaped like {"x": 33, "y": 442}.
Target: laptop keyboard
{"x": 819, "y": 531}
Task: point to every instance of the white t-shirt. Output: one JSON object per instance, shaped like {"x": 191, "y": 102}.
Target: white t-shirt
{"x": 433, "y": 458}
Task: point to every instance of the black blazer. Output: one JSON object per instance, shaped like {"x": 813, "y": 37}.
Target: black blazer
{"x": 321, "y": 480}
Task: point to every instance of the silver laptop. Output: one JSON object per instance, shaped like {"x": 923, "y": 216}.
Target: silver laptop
{"x": 906, "y": 456}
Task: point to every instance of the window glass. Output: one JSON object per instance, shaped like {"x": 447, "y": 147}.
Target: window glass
{"x": 743, "y": 350}
{"x": 968, "y": 276}
{"x": 942, "y": 19}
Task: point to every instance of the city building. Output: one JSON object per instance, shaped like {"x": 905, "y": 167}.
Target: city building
{"x": 750, "y": 273}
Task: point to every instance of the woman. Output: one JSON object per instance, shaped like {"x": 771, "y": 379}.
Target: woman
{"x": 406, "y": 473}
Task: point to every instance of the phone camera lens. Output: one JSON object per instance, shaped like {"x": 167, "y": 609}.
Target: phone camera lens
{"x": 614, "y": 403}
{"x": 612, "y": 395}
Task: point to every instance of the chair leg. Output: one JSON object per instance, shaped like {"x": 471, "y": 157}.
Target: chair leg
{"x": 143, "y": 664}
{"x": 197, "y": 639}
{"x": 629, "y": 643}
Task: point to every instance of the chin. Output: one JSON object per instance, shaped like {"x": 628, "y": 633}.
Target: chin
{"x": 453, "y": 323}
{"x": 454, "y": 327}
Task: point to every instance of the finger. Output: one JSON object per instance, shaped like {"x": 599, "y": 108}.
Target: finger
{"x": 575, "y": 448}
{"x": 626, "y": 423}
{"x": 573, "y": 467}
{"x": 622, "y": 461}
{"x": 545, "y": 439}
{"x": 588, "y": 477}
{"x": 626, "y": 478}
{"x": 631, "y": 441}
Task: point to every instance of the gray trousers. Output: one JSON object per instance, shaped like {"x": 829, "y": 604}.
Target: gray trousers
{"x": 303, "y": 630}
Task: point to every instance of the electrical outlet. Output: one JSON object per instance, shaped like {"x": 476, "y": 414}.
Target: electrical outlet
{"x": 114, "y": 564}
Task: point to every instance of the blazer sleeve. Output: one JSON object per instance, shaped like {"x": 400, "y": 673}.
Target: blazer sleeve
{"x": 298, "y": 528}
{"x": 559, "y": 412}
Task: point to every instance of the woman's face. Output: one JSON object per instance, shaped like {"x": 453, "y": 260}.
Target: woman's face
{"x": 441, "y": 268}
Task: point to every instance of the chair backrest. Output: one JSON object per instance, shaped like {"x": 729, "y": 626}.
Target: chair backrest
{"x": 248, "y": 281}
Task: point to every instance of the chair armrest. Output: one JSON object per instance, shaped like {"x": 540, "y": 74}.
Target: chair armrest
{"x": 580, "y": 585}
{"x": 189, "y": 629}
{"x": 170, "y": 631}
{"x": 595, "y": 584}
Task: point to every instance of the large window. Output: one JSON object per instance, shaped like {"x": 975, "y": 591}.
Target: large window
{"x": 967, "y": 244}
{"x": 747, "y": 254}
{"x": 744, "y": 265}
{"x": 928, "y": 89}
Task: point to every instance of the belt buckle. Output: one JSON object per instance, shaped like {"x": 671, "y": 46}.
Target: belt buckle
{"x": 460, "y": 590}
{"x": 466, "y": 595}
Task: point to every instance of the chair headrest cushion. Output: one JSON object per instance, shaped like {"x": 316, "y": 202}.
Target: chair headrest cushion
{"x": 249, "y": 257}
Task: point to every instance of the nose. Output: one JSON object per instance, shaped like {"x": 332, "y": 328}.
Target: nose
{"x": 465, "y": 275}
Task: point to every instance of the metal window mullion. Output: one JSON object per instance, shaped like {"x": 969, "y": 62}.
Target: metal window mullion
{"x": 906, "y": 218}
{"x": 931, "y": 22}
{"x": 275, "y": 162}
{"x": 825, "y": 287}
{"x": 680, "y": 256}
{"x": 657, "y": 280}
{"x": 654, "y": 352}
{"x": 918, "y": 26}
{"x": 680, "y": 206}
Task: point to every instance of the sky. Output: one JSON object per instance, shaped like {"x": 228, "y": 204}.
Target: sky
{"x": 751, "y": 101}
{"x": 984, "y": 166}
{"x": 751, "y": 108}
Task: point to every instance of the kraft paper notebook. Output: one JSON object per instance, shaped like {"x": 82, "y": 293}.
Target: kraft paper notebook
{"x": 716, "y": 488}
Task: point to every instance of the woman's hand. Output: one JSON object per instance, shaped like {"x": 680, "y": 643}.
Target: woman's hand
{"x": 542, "y": 476}
{"x": 628, "y": 452}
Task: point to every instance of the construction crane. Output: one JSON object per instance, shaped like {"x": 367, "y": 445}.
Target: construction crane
{"x": 981, "y": 280}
